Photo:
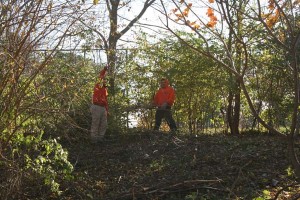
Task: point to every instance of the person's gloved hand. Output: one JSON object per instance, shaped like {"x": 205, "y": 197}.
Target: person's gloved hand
{"x": 164, "y": 105}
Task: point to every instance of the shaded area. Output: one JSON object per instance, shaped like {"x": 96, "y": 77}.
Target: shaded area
{"x": 160, "y": 166}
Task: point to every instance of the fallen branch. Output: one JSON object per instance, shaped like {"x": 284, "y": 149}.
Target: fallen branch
{"x": 138, "y": 192}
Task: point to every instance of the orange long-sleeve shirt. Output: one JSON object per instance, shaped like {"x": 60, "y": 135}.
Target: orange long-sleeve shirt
{"x": 100, "y": 91}
{"x": 164, "y": 95}
{"x": 100, "y": 96}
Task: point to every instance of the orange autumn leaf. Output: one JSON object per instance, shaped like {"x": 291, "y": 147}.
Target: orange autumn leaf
{"x": 264, "y": 15}
{"x": 214, "y": 18}
{"x": 271, "y": 21}
{"x": 186, "y": 12}
{"x": 193, "y": 23}
{"x": 196, "y": 26}
{"x": 174, "y": 10}
{"x": 211, "y": 24}
{"x": 210, "y": 12}
{"x": 179, "y": 15}
{"x": 271, "y": 4}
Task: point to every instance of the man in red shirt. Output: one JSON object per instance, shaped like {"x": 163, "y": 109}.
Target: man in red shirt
{"x": 164, "y": 100}
{"x": 99, "y": 108}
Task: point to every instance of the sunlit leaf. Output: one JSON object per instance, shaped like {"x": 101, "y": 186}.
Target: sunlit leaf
{"x": 210, "y": 12}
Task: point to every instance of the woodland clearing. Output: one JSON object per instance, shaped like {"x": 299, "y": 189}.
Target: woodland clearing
{"x": 148, "y": 165}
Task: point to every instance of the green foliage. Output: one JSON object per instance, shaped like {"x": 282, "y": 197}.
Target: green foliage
{"x": 157, "y": 165}
{"x": 51, "y": 161}
{"x": 202, "y": 85}
{"x": 192, "y": 196}
{"x": 270, "y": 84}
{"x": 35, "y": 158}
{"x": 266, "y": 195}
{"x": 69, "y": 86}
{"x": 289, "y": 171}
{"x": 198, "y": 81}
{"x": 43, "y": 99}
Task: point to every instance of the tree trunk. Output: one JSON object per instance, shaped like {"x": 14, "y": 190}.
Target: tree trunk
{"x": 190, "y": 113}
{"x": 295, "y": 123}
{"x": 293, "y": 155}
{"x": 254, "y": 119}
{"x": 236, "y": 113}
{"x": 233, "y": 109}
{"x": 230, "y": 111}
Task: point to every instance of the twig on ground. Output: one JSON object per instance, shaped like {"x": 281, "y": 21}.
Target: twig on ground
{"x": 175, "y": 188}
{"x": 238, "y": 176}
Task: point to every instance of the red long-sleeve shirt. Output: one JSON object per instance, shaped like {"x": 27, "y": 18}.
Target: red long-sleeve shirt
{"x": 100, "y": 96}
{"x": 164, "y": 95}
{"x": 100, "y": 91}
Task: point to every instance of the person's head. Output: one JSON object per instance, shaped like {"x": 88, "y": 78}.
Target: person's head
{"x": 164, "y": 83}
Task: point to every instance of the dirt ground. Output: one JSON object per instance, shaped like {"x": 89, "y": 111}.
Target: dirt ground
{"x": 154, "y": 166}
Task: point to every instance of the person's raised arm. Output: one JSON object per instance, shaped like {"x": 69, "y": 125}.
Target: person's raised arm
{"x": 102, "y": 73}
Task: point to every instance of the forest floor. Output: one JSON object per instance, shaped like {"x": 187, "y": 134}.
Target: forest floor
{"x": 160, "y": 166}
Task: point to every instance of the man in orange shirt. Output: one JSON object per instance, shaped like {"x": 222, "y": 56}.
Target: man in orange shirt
{"x": 164, "y": 100}
{"x": 99, "y": 108}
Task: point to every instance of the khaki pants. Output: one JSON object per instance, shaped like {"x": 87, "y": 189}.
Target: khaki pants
{"x": 99, "y": 122}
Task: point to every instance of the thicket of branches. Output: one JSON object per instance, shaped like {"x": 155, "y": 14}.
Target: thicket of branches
{"x": 29, "y": 101}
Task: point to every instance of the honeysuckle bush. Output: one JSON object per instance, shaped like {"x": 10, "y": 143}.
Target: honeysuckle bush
{"x": 30, "y": 158}
{"x": 50, "y": 162}
{"x": 28, "y": 26}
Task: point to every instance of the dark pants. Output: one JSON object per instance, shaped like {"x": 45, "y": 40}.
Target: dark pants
{"x": 167, "y": 114}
